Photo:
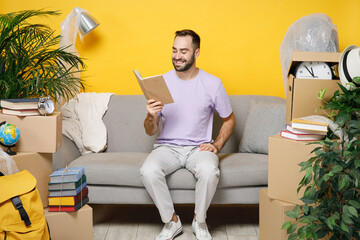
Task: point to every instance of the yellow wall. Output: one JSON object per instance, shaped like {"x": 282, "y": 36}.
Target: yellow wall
{"x": 240, "y": 39}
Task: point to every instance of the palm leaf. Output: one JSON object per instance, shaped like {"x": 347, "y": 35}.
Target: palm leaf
{"x": 31, "y": 63}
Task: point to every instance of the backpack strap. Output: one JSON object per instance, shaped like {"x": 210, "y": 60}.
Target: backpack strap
{"x": 19, "y": 206}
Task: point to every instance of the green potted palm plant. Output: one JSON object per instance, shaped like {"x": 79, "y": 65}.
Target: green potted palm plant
{"x": 31, "y": 62}
{"x": 332, "y": 177}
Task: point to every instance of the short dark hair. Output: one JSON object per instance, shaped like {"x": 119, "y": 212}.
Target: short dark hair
{"x": 194, "y": 35}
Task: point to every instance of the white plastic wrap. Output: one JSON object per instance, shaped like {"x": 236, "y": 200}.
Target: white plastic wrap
{"x": 315, "y": 33}
{"x": 69, "y": 32}
{"x": 7, "y": 164}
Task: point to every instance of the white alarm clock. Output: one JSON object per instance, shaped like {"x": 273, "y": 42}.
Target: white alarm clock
{"x": 46, "y": 106}
{"x": 313, "y": 70}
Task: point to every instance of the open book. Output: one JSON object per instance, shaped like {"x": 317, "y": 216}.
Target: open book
{"x": 154, "y": 88}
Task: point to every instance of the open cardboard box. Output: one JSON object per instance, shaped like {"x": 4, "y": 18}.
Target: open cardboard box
{"x": 301, "y": 94}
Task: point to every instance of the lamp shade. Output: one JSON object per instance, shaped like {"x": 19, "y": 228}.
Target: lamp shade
{"x": 87, "y": 23}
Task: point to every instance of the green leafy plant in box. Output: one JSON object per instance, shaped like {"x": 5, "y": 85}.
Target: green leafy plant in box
{"x": 31, "y": 63}
{"x": 332, "y": 191}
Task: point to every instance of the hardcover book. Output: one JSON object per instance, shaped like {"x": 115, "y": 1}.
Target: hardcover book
{"x": 67, "y": 185}
{"x": 67, "y": 175}
{"x": 306, "y": 124}
{"x": 303, "y": 131}
{"x": 22, "y": 112}
{"x": 68, "y": 201}
{"x": 301, "y": 137}
{"x": 20, "y": 104}
{"x": 74, "y": 208}
{"x": 154, "y": 88}
{"x": 62, "y": 193}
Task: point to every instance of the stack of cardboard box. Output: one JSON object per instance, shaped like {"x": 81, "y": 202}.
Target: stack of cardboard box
{"x": 40, "y": 137}
{"x": 284, "y": 156}
{"x": 284, "y": 177}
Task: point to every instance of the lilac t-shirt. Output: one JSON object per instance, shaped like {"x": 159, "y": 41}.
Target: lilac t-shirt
{"x": 189, "y": 120}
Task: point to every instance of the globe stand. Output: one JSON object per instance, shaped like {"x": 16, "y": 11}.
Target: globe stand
{"x": 8, "y": 151}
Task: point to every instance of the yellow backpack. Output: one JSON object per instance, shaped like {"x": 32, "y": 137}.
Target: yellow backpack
{"x": 21, "y": 210}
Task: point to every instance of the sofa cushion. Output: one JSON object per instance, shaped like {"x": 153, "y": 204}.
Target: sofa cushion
{"x": 122, "y": 169}
{"x": 112, "y": 168}
{"x": 264, "y": 120}
{"x": 243, "y": 170}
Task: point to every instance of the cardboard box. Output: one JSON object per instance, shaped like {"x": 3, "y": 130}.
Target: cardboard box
{"x": 37, "y": 133}
{"x": 71, "y": 226}
{"x": 284, "y": 173}
{"x": 40, "y": 166}
{"x": 301, "y": 94}
{"x": 272, "y": 217}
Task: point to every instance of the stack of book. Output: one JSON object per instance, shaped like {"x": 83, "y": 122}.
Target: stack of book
{"x": 20, "y": 107}
{"x": 302, "y": 129}
{"x": 67, "y": 190}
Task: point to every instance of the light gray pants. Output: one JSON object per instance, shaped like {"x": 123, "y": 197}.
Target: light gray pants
{"x": 166, "y": 159}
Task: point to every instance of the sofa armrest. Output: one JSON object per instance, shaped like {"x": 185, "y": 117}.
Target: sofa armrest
{"x": 66, "y": 154}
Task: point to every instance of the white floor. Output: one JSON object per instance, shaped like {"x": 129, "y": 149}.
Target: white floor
{"x": 134, "y": 222}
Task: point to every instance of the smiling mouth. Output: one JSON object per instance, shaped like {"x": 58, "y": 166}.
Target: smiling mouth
{"x": 179, "y": 62}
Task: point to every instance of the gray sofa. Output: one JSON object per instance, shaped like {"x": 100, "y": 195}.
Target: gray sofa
{"x": 113, "y": 175}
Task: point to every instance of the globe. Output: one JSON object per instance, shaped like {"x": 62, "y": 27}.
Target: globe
{"x": 9, "y": 134}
